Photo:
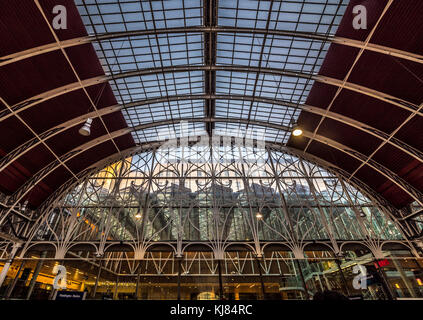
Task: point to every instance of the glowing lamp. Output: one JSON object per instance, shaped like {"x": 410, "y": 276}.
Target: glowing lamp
{"x": 296, "y": 130}
{"x": 86, "y": 128}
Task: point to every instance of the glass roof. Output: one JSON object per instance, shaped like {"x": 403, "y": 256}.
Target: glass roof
{"x": 177, "y": 33}
{"x": 139, "y": 88}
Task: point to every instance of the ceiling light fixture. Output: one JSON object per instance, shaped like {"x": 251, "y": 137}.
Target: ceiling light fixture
{"x": 138, "y": 215}
{"x": 86, "y": 128}
{"x": 25, "y": 204}
{"x": 259, "y": 215}
{"x": 296, "y": 130}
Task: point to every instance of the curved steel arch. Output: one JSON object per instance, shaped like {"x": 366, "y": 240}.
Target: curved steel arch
{"x": 27, "y": 146}
{"x": 29, "y": 53}
{"x": 30, "y": 144}
{"x": 45, "y": 96}
{"x": 409, "y": 106}
{"x": 210, "y": 96}
{"x": 212, "y": 119}
{"x": 41, "y": 174}
{"x": 19, "y": 194}
{"x": 384, "y": 204}
{"x": 387, "y": 173}
{"x": 415, "y": 153}
{"x": 33, "y": 101}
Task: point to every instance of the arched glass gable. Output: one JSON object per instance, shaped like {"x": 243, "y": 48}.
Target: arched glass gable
{"x": 218, "y": 219}
{"x": 216, "y": 195}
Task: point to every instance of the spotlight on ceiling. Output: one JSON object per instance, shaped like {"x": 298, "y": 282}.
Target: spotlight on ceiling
{"x": 296, "y": 130}
{"x": 259, "y": 215}
{"x": 86, "y": 128}
{"x": 138, "y": 215}
{"x": 362, "y": 214}
{"x": 24, "y": 206}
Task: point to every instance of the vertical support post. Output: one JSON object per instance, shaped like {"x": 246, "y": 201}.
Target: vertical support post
{"x": 329, "y": 287}
{"x": 179, "y": 260}
{"x": 96, "y": 280}
{"x": 219, "y": 267}
{"x": 300, "y": 271}
{"x": 404, "y": 278}
{"x": 12, "y": 286}
{"x": 344, "y": 281}
{"x": 320, "y": 283}
{"x": 35, "y": 275}
{"x": 115, "y": 295}
{"x": 137, "y": 288}
{"x": 385, "y": 283}
{"x": 6, "y": 266}
{"x": 263, "y": 289}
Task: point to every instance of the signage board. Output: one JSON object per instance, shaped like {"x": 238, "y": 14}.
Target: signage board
{"x": 70, "y": 295}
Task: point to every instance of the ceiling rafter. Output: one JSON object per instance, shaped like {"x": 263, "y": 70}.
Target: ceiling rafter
{"x": 260, "y": 60}
{"x": 32, "y": 52}
{"x": 387, "y": 173}
{"x": 41, "y": 174}
{"x": 211, "y": 120}
{"x": 403, "y": 104}
{"x": 210, "y": 49}
{"x": 344, "y": 83}
{"x": 389, "y": 138}
{"x": 32, "y": 143}
{"x": 33, "y": 101}
{"x": 27, "y": 146}
{"x": 80, "y": 81}
{"x": 19, "y": 194}
{"x": 48, "y": 95}
{"x": 415, "y": 214}
{"x": 415, "y": 153}
{"x": 406, "y": 105}
{"x": 36, "y": 136}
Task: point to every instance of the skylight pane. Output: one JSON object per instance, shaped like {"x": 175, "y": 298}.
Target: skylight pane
{"x": 303, "y": 30}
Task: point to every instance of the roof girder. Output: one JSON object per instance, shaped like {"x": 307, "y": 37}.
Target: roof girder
{"x": 29, "y": 53}
{"x": 33, "y": 101}
{"x": 371, "y": 193}
{"x": 19, "y": 194}
{"x": 27, "y": 146}
{"x": 30, "y": 144}
{"x": 41, "y": 174}
{"x": 397, "y": 143}
{"x": 387, "y": 173}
